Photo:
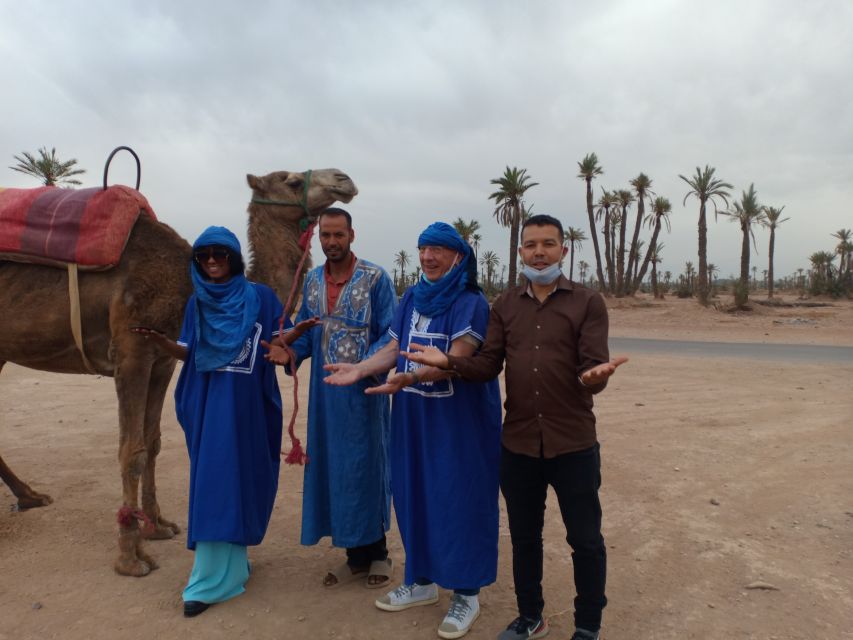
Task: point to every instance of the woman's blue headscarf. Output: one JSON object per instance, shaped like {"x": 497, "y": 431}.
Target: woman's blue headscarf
{"x": 433, "y": 298}
{"x": 225, "y": 313}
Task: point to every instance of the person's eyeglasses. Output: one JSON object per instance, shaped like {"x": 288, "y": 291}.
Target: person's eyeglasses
{"x": 432, "y": 249}
{"x": 220, "y": 255}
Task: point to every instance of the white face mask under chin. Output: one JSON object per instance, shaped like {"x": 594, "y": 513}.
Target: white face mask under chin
{"x": 546, "y": 276}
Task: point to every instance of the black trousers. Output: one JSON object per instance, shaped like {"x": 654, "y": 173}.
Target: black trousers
{"x": 576, "y": 478}
{"x": 365, "y": 554}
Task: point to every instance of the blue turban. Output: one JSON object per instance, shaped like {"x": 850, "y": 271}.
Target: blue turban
{"x": 433, "y": 298}
{"x": 225, "y": 313}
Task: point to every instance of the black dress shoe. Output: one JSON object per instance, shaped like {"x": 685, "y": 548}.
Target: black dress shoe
{"x": 193, "y": 607}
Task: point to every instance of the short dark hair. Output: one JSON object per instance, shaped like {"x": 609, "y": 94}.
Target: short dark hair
{"x": 336, "y": 211}
{"x": 540, "y": 220}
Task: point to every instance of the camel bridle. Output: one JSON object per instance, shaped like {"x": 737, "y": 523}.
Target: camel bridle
{"x": 301, "y": 203}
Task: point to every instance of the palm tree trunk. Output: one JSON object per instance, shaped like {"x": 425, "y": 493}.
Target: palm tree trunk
{"x": 743, "y": 296}
{"x": 513, "y": 244}
{"x": 770, "y": 263}
{"x": 613, "y": 263}
{"x": 633, "y": 258}
{"x": 703, "y": 256}
{"x": 593, "y": 233}
{"x": 620, "y": 257}
{"x": 652, "y": 244}
{"x": 655, "y": 281}
{"x": 608, "y": 252}
{"x": 571, "y": 260}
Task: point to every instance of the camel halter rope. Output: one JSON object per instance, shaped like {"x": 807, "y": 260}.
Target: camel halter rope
{"x": 297, "y": 455}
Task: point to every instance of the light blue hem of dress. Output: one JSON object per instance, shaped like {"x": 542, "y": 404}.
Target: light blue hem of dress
{"x": 219, "y": 573}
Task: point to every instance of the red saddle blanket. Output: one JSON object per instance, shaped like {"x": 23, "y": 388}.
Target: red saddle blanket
{"x": 56, "y": 226}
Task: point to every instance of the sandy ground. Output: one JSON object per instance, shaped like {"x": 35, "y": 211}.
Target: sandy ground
{"x": 719, "y": 475}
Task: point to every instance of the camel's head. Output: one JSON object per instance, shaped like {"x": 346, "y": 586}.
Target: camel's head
{"x": 287, "y": 189}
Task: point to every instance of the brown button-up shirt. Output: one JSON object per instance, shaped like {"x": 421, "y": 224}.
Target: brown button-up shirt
{"x": 546, "y": 346}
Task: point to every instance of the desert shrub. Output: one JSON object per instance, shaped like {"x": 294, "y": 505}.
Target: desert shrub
{"x": 741, "y": 292}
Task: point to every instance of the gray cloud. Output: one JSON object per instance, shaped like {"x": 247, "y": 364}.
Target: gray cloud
{"x": 423, "y": 103}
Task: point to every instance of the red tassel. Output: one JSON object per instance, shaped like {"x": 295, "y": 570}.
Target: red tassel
{"x": 126, "y": 516}
{"x": 296, "y": 455}
{"x": 305, "y": 237}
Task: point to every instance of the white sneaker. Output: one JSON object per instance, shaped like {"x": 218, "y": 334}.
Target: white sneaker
{"x": 464, "y": 610}
{"x": 408, "y": 595}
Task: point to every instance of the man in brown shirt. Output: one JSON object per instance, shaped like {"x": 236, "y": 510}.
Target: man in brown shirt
{"x": 552, "y": 333}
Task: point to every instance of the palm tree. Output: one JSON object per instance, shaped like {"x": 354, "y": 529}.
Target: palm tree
{"x": 689, "y": 271}
{"x": 588, "y": 170}
{"x": 843, "y": 250}
{"x": 640, "y": 245}
{"x": 642, "y": 187}
{"x": 47, "y": 167}
{"x": 712, "y": 271}
{"x": 583, "y": 265}
{"x": 401, "y": 260}
{"x": 466, "y": 229}
{"x": 746, "y": 213}
{"x": 656, "y": 259}
{"x": 821, "y": 276}
{"x": 615, "y": 221}
{"x": 574, "y": 237}
{"x": 475, "y": 240}
{"x": 509, "y": 209}
{"x": 605, "y": 202}
{"x": 704, "y": 186}
{"x": 771, "y": 221}
{"x": 625, "y": 199}
{"x": 661, "y": 207}
{"x": 489, "y": 261}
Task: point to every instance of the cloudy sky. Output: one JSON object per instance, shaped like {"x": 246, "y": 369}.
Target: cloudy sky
{"x": 422, "y": 103}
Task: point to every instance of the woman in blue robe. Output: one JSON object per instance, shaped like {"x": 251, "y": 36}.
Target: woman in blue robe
{"x": 445, "y": 437}
{"x": 228, "y": 403}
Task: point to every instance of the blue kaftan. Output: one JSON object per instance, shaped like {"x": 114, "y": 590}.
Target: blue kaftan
{"x": 445, "y": 454}
{"x": 232, "y": 421}
{"x": 346, "y": 493}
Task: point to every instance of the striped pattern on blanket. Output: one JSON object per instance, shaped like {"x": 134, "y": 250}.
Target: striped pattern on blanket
{"x": 57, "y": 226}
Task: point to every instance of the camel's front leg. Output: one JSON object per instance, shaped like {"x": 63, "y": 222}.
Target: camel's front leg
{"x": 27, "y": 498}
{"x": 161, "y": 374}
{"x": 132, "y": 375}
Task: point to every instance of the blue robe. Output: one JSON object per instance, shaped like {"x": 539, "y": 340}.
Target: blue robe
{"x": 445, "y": 455}
{"x": 347, "y": 489}
{"x": 232, "y": 422}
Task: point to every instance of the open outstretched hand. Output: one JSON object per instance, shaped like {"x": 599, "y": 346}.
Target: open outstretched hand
{"x": 602, "y": 372}
{"x": 298, "y": 329}
{"x": 343, "y": 374}
{"x": 425, "y": 354}
{"x": 393, "y": 384}
{"x": 149, "y": 333}
{"x": 162, "y": 341}
{"x": 276, "y": 353}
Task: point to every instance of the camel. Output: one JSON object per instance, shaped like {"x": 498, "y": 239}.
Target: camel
{"x": 149, "y": 287}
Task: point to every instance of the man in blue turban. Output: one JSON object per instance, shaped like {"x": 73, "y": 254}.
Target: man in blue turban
{"x": 445, "y": 436}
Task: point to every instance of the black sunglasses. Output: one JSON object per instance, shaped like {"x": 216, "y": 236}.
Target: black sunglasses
{"x": 220, "y": 255}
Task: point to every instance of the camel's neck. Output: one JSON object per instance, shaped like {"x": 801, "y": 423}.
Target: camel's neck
{"x": 275, "y": 251}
